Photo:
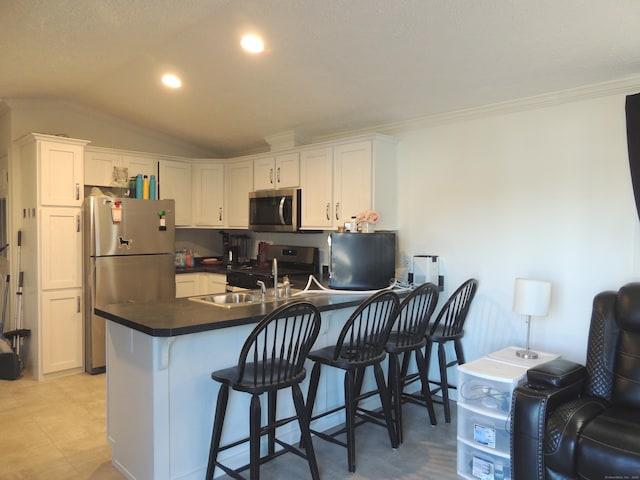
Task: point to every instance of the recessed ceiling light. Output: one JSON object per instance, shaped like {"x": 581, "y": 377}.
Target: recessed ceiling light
{"x": 171, "y": 80}
{"x": 252, "y": 44}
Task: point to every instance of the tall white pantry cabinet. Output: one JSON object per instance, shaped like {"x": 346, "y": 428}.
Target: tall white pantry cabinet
{"x": 52, "y": 190}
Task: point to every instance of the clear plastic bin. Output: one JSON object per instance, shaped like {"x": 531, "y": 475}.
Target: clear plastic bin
{"x": 484, "y": 430}
{"x": 477, "y": 463}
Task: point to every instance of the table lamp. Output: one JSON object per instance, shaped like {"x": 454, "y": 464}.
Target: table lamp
{"x": 531, "y": 298}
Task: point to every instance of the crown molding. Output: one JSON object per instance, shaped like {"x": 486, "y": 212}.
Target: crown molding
{"x": 626, "y": 86}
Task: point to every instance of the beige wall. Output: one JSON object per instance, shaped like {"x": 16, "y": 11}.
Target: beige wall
{"x": 541, "y": 193}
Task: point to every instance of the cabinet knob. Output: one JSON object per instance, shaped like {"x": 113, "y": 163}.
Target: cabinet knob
{"x": 328, "y": 210}
{"x": 278, "y": 174}
{"x": 271, "y": 176}
{"x": 220, "y": 214}
{"x": 337, "y": 211}
{"x": 77, "y": 191}
{"x": 77, "y": 223}
{"x": 78, "y": 304}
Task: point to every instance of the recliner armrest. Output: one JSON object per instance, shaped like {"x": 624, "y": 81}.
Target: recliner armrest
{"x": 557, "y": 373}
{"x": 550, "y": 384}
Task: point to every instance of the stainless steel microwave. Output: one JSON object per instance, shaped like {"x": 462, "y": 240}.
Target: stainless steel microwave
{"x": 275, "y": 210}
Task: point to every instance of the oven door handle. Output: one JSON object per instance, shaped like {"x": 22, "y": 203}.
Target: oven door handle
{"x": 281, "y": 209}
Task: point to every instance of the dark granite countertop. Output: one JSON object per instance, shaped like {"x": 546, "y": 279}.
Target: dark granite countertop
{"x": 183, "y": 316}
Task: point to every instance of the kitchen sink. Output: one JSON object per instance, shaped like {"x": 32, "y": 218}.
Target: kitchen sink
{"x": 238, "y": 299}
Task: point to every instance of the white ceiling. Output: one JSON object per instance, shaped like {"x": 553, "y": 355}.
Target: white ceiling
{"x": 330, "y": 65}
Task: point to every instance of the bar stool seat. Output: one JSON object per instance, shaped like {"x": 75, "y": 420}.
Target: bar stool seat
{"x": 360, "y": 345}
{"x": 271, "y": 359}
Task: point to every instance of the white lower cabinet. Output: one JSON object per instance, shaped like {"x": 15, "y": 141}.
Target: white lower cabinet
{"x": 61, "y": 330}
{"x": 187, "y": 285}
{"x": 211, "y": 283}
{"x": 485, "y": 387}
{"x": 192, "y": 284}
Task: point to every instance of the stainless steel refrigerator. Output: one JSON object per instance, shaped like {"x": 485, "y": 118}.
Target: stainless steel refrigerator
{"x": 129, "y": 249}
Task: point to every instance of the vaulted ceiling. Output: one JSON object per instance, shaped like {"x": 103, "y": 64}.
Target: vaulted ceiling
{"x": 329, "y": 65}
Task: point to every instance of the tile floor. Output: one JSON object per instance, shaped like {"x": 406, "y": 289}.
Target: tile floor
{"x": 56, "y": 430}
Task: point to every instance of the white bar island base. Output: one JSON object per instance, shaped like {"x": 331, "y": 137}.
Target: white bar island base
{"x": 161, "y": 398}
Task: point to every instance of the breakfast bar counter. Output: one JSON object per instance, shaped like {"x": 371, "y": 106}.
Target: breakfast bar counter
{"x": 160, "y": 396}
{"x": 182, "y": 316}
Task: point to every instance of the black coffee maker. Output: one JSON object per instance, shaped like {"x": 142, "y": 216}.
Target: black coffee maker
{"x": 236, "y": 248}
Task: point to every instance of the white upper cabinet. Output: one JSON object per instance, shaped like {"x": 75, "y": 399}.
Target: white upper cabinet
{"x": 100, "y": 162}
{"x": 316, "y": 183}
{"x": 61, "y": 167}
{"x": 352, "y": 174}
{"x": 238, "y": 180}
{"x": 365, "y": 178}
{"x": 276, "y": 171}
{"x": 135, "y": 164}
{"x": 208, "y": 194}
{"x": 99, "y": 165}
{"x": 174, "y": 182}
{"x": 346, "y": 178}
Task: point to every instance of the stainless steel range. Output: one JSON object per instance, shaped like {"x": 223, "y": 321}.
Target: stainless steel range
{"x": 297, "y": 263}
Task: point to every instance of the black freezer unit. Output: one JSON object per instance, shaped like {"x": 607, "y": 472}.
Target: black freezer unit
{"x": 362, "y": 261}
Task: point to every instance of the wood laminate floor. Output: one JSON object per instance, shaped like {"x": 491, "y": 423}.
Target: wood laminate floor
{"x": 56, "y": 429}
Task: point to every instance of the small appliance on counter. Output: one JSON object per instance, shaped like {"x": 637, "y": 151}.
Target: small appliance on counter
{"x": 362, "y": 261}
{"x": 236, "y": 248}
{"x": 295, "y": 262}
{"x": 425, "y": 268}
{"x": 129, "y": 257}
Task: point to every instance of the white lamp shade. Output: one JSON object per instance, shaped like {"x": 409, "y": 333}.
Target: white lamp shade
{"x": 531, "y": 297}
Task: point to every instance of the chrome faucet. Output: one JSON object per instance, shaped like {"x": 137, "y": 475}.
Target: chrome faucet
{"x": 263, "y": 288}
{"x": 274, "y": 272}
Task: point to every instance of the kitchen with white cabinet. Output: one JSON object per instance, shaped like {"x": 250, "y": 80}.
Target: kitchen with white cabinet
{"x": 338, "y": 179}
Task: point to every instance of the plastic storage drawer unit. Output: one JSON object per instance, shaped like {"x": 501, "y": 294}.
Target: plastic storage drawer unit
{"x": 481, "y": 464}
{"x": 484, "y": 430}
{"x": 487, "y": 385}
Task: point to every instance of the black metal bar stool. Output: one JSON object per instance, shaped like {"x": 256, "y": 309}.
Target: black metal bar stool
{"x": 271, "y": 359}
{"x": 360, "y": 345}
{"x": 448, "y": 327}
{"x": 407, "y": 339}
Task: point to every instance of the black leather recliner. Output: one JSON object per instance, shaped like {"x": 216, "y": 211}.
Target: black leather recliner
{"x": 576, "y": 422}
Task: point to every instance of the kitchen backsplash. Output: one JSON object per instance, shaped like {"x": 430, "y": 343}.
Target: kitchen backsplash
{"x": 208, "y": 242}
